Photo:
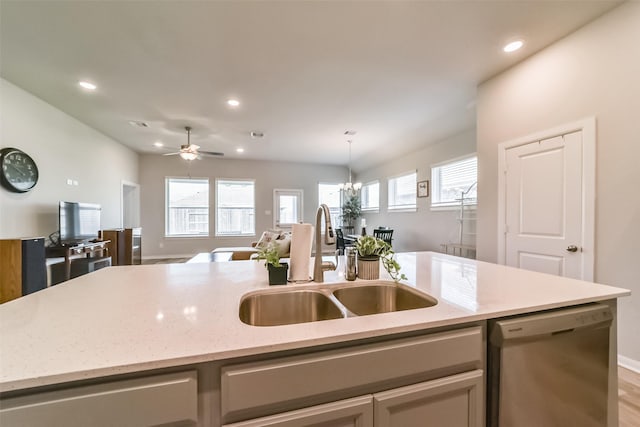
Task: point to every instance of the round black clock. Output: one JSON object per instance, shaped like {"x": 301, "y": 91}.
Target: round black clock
{"x": 19, "y": 172}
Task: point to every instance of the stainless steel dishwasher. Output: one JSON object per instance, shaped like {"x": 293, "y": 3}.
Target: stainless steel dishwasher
{"x": 550, "y": 369}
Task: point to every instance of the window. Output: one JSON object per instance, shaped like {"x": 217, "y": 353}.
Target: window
{"x": 287, "y": 207}
{"x": 235, "y": 205}
{"x": 402, "y": 192}
{"x": 329, "y": 194}
{"x": 450, "y": 180}
{"x": 187, "y": 207}
{"x": 370, "y": 196}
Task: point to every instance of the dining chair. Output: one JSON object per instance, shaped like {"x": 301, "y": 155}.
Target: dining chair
{"x": 340, "y": 245}
{"x": 385, "y": 234}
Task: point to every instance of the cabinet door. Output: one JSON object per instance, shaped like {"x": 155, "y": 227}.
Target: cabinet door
{"x": 356, "y": 412}
{"x": 160, "y": 399}
{"x": 455, "y": 401}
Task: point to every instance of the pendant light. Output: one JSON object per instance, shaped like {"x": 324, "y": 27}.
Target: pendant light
{"x": 349, "y": 187}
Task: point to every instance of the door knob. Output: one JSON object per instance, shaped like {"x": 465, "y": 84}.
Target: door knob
{"x": 572, "y": 248}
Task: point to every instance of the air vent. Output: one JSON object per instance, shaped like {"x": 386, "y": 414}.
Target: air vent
{"x": 138, "y": 124}
{"x": 256, "y": 134}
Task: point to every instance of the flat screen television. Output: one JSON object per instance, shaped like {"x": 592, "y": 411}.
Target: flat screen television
{"x": 79, "y": 222}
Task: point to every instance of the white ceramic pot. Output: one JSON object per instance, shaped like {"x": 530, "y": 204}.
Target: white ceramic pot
{"x": 369, "y": 268}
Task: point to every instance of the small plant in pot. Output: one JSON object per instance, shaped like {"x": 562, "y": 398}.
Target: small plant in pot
{"x": 277, "y": 270}
{"x": 370, "y": 251}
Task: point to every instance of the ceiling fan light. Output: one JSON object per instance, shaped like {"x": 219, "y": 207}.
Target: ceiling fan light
{"x": 357, "y": 186}
{"x": 188, "y": 155}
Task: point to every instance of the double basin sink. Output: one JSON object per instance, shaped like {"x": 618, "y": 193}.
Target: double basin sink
{"x": 324, "y": 302}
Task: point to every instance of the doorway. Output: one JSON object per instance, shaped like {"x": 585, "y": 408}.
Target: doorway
{"x": 546, "y": 201}
{"x": 130, "y": 215}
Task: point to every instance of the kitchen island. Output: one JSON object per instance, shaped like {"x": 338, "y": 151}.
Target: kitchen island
{"x": 175, "y": 329}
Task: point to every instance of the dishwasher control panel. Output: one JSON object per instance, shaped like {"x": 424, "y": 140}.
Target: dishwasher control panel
{"x": 551, "y": 322}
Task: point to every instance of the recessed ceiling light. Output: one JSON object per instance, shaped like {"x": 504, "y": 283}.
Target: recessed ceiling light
{"x": 513, "y": 46}
{"x": 233, "y": 102}
{"x": 158, "y": 144}
{"x": 240, "y": 150}
{"x": 87, "y": 85}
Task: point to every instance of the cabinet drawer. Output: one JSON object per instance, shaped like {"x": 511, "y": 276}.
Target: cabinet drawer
{"x": 257, "y": 388}
{"x": 159, "y": 399}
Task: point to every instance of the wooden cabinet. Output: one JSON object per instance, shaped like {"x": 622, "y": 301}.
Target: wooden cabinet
{"x": 159, "y": 399}
{"x": 22, "y": 267}
{"x": 125, "y": 245}
{"x": 133, "y": 246}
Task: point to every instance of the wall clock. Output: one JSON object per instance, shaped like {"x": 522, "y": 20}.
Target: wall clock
{"x": 19, "y": 172}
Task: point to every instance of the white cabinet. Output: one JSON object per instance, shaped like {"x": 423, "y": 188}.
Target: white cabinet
{"x": 356, "y": 412}
{"x": 454, "y": 401}
{"x": 158, "y": 399}
{"x": 405, "y": 382}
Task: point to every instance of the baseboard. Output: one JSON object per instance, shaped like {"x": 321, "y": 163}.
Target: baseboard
{"x": 168, "y": 256}
{"x": 629, "y": 363}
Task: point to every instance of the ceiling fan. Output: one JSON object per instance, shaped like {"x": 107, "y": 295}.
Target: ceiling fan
{"x": 191, "y": 151}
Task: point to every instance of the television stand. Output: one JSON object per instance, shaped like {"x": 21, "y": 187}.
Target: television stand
{"x": 83, "y": 250}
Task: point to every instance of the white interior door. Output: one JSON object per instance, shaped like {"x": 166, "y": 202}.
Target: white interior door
{"x": 546, "y": 206}
{"x": 287, "y": 208}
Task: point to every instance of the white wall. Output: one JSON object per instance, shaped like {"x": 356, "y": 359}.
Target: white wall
{"x": 423, "y": 230}
{"x": 592, "y": 72}
{"x": 63, "y": 148}
{"x": 267, "y": 175}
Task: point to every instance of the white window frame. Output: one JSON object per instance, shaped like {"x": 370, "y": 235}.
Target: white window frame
{"x": 402, "y": 208}
{"x": 453, "y": 204}
{"x": 217, "y": 231}
{"x": 277, "y": 192}
{"x": 374, "y": 209}
{"x": 167, "y": 233}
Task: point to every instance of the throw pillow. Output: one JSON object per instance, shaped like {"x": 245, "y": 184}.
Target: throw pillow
{"x": 283, "y": 245}
{"x": 266, "y": 238}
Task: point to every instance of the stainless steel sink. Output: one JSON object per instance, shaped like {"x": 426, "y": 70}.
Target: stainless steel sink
{"x": 287, "y": 307}
{"x": 381, "y": 298}
{"x": 329, "y": 301}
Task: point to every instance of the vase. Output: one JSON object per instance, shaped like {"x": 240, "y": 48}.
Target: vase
{"x": 369, "y": 268}
{"x": 278, "y": 275}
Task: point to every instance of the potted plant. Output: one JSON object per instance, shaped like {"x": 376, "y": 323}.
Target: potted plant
{"x": 351, "y": 211}
{"x": 370, "y": 251}
{"x": 277, "y": 270}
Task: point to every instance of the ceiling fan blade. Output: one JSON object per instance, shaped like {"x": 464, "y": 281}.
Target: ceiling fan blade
{"x": 171, "y": 154}
{"x": 211, "y": 153}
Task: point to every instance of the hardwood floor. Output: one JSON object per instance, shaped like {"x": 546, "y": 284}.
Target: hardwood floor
{"x": 628, "y": 397}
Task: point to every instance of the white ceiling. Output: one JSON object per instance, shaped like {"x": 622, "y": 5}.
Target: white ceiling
{"x": 403, "y": 74}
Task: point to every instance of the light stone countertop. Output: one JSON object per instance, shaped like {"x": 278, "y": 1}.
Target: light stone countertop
{"x": 136, "y": 318}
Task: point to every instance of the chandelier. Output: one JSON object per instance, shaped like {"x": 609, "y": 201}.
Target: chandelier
{"x": 350, "y": 188}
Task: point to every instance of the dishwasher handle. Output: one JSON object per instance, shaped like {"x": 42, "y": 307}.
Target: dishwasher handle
{"x": 549, "y": 323}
